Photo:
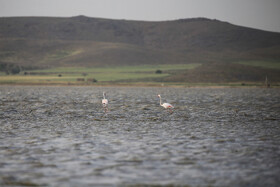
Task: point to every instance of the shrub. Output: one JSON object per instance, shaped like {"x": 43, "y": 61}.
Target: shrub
{"x": 9, "y": 68}
{"x": 15, "y": 69}
{"x": 92, "y": 80}
{"x": 158, "y": 71}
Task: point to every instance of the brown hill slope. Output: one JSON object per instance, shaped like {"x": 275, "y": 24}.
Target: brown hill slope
{"x": 221, "y": 73}
{"x": 44, "y": 41}
{"x": 82, "y": 41}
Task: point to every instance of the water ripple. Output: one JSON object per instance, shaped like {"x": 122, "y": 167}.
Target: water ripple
{"x": 60, "y": 136}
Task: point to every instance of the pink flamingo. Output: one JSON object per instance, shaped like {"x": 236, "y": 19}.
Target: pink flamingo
{"x": 165, "y": 105}
{"x": 105, "y": 102}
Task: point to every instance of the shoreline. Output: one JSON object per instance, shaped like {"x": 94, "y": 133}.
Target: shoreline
{"x": 135, "y": 84}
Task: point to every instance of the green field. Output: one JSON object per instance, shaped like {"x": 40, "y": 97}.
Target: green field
{"x": 69, "y": 75}
{"x": 263, "y": 64}
{"x": 119, "y": 69}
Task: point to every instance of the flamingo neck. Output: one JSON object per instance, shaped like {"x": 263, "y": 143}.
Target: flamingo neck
{"x": 104, "y": 95}
{"x": 160, "y": 100}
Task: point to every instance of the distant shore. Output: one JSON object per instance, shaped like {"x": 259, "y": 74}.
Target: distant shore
{"x": 148, "y": 84}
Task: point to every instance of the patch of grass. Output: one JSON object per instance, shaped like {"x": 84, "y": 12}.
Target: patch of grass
{"x": 117, "y": 76}
{"x": 14, "y": 79}
{"x": 263, "y": 64}
{"x": 225, "y": 73}
{"x": 101, "y": 74}
{"x": 122, "y": 69}
{"x": 62, "y": 54}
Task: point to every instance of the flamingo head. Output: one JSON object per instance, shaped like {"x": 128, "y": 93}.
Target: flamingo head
{"x": 158, "y": 95}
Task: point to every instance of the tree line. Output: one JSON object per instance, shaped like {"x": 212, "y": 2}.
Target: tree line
{"x": 10, "y": 68}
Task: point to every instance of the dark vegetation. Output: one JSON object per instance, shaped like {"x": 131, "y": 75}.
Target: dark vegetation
{"x": 9, "y": 68}
{"x": 158, "y": 71}
{"x": 43, "y": 42}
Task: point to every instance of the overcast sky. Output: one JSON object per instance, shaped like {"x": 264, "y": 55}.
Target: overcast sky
{"x": 261, "y": 14}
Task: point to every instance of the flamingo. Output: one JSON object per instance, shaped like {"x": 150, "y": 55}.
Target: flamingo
{"x": 165, "y": 105}
{"x": 105, "y": 102}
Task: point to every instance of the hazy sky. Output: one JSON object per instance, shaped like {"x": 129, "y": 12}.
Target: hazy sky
{"x": 261, "y": 14}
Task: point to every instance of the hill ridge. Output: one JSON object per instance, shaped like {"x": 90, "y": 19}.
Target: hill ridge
{"x": 50, "y": 41}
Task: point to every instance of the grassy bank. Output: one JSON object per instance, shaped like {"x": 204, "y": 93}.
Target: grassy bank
{"x": 183, "y": 75}
{"x": 262, "y": 64}
{"x": 103, "y": 75}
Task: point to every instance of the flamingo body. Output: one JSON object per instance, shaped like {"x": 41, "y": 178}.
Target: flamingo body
{"x": 165, "y": 105}
{"x": 105, "y": 102}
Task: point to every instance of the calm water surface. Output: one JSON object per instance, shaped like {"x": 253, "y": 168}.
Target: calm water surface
{"x": 60, "y": 136}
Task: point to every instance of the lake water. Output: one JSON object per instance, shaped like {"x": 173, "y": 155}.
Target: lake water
{"x": 60, "y": 136}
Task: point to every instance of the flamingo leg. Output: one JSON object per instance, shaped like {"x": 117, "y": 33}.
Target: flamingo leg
{"x": 170, "y": 110}
{"x": 105, "y": 109}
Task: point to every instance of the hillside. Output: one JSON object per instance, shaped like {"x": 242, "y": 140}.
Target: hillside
{"x": 41, "y": 42}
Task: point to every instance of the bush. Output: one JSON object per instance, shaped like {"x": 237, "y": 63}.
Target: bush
{"x": 158, "y": 71}
{"x": 15, "y": 70}
{"x": 91, "y": 80}
{"x": 9, "y": 68}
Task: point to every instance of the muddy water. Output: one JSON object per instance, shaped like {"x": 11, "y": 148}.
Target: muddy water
{"x": 60, "y": 136}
